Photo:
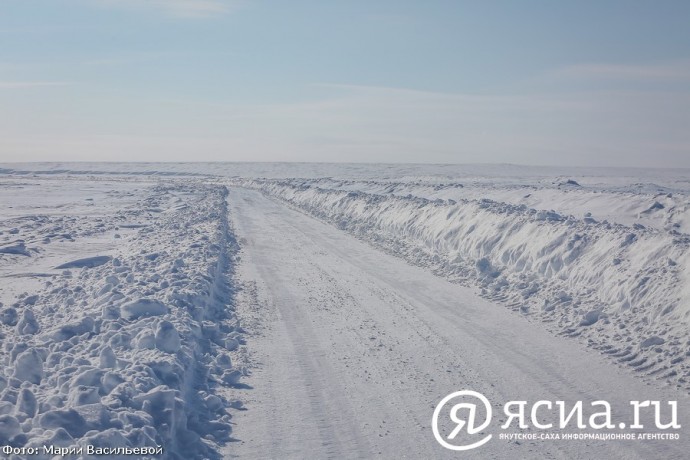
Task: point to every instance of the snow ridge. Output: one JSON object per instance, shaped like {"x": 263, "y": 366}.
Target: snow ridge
{"x": 131, "y": 351}
{"x": 622, "y": 288}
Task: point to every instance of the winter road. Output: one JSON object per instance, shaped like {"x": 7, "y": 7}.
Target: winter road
{"x": 350, "y": 349}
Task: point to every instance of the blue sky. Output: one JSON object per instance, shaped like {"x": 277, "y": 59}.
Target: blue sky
{"x": 531, "y": 82}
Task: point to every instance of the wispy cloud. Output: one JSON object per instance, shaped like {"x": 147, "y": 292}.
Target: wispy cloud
{"x": 679, "y": 70}
{"x": 30, "y": 84}
{"x": 473, "y": 102}
{"x": 180, "y": 8}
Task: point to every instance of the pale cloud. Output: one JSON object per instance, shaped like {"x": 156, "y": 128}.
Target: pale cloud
{"x": 678, "y": 70}
{"x": 474, "y": 102}
{"x": 180, "y": 8}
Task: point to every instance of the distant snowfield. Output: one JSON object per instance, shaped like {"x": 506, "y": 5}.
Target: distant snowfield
{"x": 123, "y": 287}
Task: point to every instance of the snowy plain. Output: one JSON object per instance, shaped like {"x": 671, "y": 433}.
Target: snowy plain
{"x": 321, "y": 310}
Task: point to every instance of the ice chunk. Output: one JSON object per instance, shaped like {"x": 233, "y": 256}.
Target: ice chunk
{"x": 26, "y": 402}
{"x": 222, "y": 362}
{"x": 142, "y": 307}
{"x": 232, "y": 377}
{"x": 29, "y": 366}
{"x": 214, "y": 403}
{"x": 231, "y": 344}
{"x": 9, "y": 317}
{"x": 9, "y": 428}
{"x": 107, "y": 358}
{"x": 110, "y": 381}
{"x": 145, "y": 340}
{"x": 82, "y": 394}
{"x": 68, "y": 331}
{"x": 68, "y": 419}
{"x": 90, "y": 376}
{"x": 167, "y": 338}
{"x": 60, "y": 438}
{"x": 590, "y": 318}
{"x": 28, "y": 324}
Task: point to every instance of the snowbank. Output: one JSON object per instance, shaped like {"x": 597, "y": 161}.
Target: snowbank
{"x": 125, "y": 350}
{"x": 623, "y": 288}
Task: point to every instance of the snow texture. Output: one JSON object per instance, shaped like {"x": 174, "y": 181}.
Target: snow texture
{"x": 118, "y": 322}
{"x": 124, "y": 349}
{"x": 615, "y": 285}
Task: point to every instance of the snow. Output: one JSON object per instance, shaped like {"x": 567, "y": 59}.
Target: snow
{"x": 18, "y": 248}
{"x": 613, "y": 284}
{"x": 88, "y": 262}
{"x": 355, "y": 348}
{"x": 152, "y": 304}
{"x": 110, "y": 349}
{"x": 142, "y": 307}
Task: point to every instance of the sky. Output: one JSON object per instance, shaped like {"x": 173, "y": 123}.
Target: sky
{"x": 589, "y": 83}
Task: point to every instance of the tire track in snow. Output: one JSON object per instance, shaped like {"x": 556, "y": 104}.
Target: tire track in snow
{"x": 379, "y": 338}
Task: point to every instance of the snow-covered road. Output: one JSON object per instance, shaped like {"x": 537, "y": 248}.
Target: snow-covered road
{"x": 350, "y": 349}
{"x": 288, "y": 320}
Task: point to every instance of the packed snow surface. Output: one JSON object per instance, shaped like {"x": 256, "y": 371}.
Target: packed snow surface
{"x": 122, "y": 287}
